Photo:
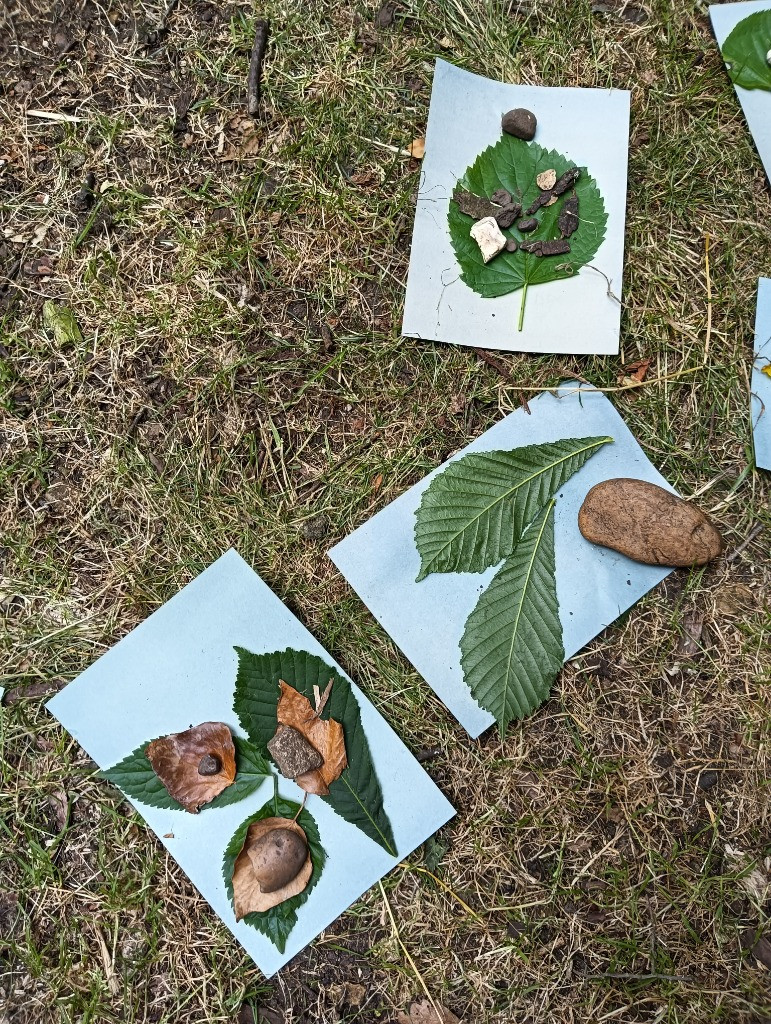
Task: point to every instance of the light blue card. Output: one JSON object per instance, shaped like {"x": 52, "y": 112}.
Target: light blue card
{"x": 179, "y": 668}
{"x": 594, "y": 585}
{"x": 761, "y": 382}
{"x": 580, "y": 314}
{"x": 756, "y": 103}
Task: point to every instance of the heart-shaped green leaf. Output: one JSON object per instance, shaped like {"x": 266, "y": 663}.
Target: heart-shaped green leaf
{"x": 746, "y": 50}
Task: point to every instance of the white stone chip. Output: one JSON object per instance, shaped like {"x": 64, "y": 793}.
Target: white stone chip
{"x": 488, "y": 237}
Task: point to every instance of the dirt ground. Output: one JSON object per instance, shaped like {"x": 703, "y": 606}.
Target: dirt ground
{"x": 241, "y": 381}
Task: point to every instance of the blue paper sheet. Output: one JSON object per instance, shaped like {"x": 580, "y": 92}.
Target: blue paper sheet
{"x": 179, "y": 668}
{"x": 594, "y": 585}
{"x": 756, "y": 103}
{"x": 761, "y": 382}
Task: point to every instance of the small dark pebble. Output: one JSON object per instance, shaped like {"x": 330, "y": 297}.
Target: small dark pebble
{"x": 708, "y": 779}
{"x": 209, "y": 764}
{"x": 520, "y": 123}
{"x": 511, "y": 245}
{"x": 84, "y": 200}
{"x": 527, "y": 224}
{"x": 428, "y": 754}
{"x": 508, "y": 215}
{"x": 501, "y": 197}
{"x": 315, "y": 529}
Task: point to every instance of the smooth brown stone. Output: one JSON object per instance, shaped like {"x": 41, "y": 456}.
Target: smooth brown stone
{"x": 648, "y": 524}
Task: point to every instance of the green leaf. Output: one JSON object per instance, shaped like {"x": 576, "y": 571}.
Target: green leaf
{"x": 134, "y": 775}
{"x": 472, "y": 514}
{"x": 60, "y": 320}
{"x": 746, "y": 49}
{"x": 513, "y": 164}
{"x": 356, "y": 795}
{"x": 511, "y": 649}
{"x": 278, "y": 922}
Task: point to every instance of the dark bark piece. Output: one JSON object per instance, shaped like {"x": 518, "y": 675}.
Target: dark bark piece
{"x": 648, "y": 524}
{"x": 508, "y": 215}
{"x": 520, "y": 122}
{"x": 555, "y": 247}
{"x": 527, "y": 224}
{"x": 568, "y": 218}
{"x": 501, "y": 197}
{"x": 511, "y": 245}
{"x": 474, "y": 206}
{"x": 293, "y": 754}
{"x": 254, "y": 81}
{"x": 534, "y": 248}
{"x": 176, "y": 760}
{"x": 561, "y": 185}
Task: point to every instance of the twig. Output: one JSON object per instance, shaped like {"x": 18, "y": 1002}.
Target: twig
{"x": 708, "y": 336}
{"x": 496, "y": 364}
{"x": 300, "y": 808}
{"x": 255, "y": 68}
{"x": 756, "y": 530}
{"x": 418, "y": 975}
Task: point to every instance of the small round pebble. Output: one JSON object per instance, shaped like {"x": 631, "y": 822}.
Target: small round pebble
{"x": 511, "y": 245}
{"x": 520, "y": 123}
{"x": 527, "y": 224}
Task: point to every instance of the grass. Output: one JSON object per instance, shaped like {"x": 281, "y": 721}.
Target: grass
{"x": 243, "y": 382}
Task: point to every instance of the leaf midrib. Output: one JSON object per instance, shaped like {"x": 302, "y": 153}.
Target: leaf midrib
{"x": 506, "y": 494}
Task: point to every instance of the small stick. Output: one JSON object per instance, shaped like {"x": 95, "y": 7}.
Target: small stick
{"x": 754, "y": 532}
{"x": 255, "y": 68}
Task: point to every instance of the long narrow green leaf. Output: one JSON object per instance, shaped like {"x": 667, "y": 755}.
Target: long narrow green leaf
{"x": 511, "y": 649}
{"x": 356, "y": 795}
{"x": 473, "y": 514}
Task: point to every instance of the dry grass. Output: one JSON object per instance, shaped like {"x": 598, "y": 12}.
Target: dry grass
{"x": 242, "y": 382}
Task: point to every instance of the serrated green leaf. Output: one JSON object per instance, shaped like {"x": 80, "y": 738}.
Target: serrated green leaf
{"x": 356, "y": 796}
{"x": 134, "y": 775}
{"x": 513, "y": 165}
{"x": 746, "y": 49}
{"x": 278, "y": 922}
{"x": 472, "y": 514}
{"x": 511, "y": 649}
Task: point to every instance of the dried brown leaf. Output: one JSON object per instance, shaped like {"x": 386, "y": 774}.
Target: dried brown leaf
{"x": 417, "y": 149}
{"x": 422, "y": 1012}
{"x": 248, "y": 896}
{"x": 326, "y": 735}
{"x": 176, "y": 760}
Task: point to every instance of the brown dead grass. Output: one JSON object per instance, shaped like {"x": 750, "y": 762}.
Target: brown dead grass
{"x": 242, "y": 382}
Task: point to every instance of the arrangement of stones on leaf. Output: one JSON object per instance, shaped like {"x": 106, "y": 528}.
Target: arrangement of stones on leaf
{"x": 747, "y": 51}
{"x": 275, "y": 857}
{"x": 522, "y": 215}
{"x": 497, "y": 508}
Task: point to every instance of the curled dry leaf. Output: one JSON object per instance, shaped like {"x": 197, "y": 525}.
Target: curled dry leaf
{"x": 326, "y": 735}
{"x": 195, "y": 765}
{"x": 270, "y": 858}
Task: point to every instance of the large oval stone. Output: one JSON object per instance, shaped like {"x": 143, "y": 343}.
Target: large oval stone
{"x": 647, "y": 523}
{"x": 277, "y": 858}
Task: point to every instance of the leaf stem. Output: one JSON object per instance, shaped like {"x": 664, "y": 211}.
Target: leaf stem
{"x": 522, "y": 307}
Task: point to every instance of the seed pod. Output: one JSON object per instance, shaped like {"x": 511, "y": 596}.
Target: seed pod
{"x": 508, "y": 215}
{"x": 568, "y": 218}
{"x": 520, "y": 123}
{"x": 527, "y": 224}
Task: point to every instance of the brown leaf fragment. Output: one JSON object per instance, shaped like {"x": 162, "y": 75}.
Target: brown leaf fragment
{"x": 177, "y": 759}
{"x": 634, "y": 373}
{"x": 259, "y": 861}
{"x": 758, "y": 945}
{"x": 326, "y": 735}
{"x": 474, "y": 206}
{"x": 501, "y": 197}
{"x": 689, "y": 645}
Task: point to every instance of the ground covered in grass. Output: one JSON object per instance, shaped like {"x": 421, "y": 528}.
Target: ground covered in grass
{"x": 242, "y": 382}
